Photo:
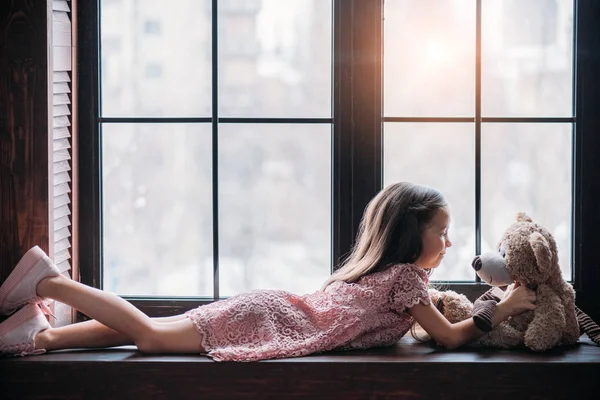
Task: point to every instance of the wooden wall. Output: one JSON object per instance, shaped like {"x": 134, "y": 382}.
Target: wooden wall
{"x": 24, "y": 151}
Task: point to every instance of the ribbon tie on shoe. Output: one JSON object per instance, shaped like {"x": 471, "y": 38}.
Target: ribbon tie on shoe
{"x": 45, "y": 307}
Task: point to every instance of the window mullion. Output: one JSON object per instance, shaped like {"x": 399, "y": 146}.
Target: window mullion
{"x": 89, "y": 162}
{"x": 215, "y": 144}
{"x": 357, "y": 152}
{"x": 478, "y": 132}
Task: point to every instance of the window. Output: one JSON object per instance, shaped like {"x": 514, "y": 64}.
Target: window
{"x": 212, "y": 170}
{"x": 152, "y": 27}
{"x": 489, "y": 124}
{"x": 530, "y": 23}
{"x": 153, "y": 71}
{"x": 360, "y": 102}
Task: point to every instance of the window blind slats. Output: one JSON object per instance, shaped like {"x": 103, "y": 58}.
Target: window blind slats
{"x": 62, "y": 155}
{"x": 65, "y": 236}
{"x": 62, "y": 245}
{"x": 60, "y": 5}
{"x": 59, "y": 225}
{"x": 62, "y": 234}
{"x": 61, "y": 166}
{"x": 61, "y": 122}
{"x": 60, "y": 178}
{"x": 60, "y": 111}
{"x": 60, "y": 202}
{"x": 61, "y": 88}
{"x": 61, "y": 133}
{"x": 63, "y": 188}
{"x": 61, "y": 47}
{"x": 63, "y": 266}
{"x": 62, "y": 256}
{"x": 61, "y": 28}
{"x": 62, "y": 211}
{"x": 61, "y": 144}
{"x": 60, "y": 77}
{"x": 60, "y": 99}
{"x": 62, "y": 58}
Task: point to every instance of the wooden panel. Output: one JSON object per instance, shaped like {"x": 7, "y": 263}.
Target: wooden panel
{"x": 24, "y": 190}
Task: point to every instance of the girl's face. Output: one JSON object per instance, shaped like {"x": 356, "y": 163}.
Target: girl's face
{"x": 435, "y": 240}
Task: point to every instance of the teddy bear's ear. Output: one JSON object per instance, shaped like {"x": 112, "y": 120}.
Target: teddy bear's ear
{"x": 542, "y": 252}
{"x": 522, "y": 217}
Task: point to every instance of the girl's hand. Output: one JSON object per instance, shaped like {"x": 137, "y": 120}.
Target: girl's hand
{"x": 517, "y": 299}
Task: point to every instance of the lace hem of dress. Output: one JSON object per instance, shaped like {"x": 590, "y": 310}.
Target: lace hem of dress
{"x": 204, "y": 340}
{"x": 217, "y": 353}
{"x": 410, "y": 288}
{"x": 424, "y": 299}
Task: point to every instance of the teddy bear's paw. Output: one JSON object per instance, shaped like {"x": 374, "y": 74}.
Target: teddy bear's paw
{"x": 538, "y": 347}
{"x": 541, "y": 340}
{"x": 504, "y": 336}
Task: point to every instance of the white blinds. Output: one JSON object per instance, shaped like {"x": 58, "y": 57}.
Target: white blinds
{"x": 61, "y": 107}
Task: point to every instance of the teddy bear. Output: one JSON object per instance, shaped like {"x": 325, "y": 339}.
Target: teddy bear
{"x": 526, "y": 255}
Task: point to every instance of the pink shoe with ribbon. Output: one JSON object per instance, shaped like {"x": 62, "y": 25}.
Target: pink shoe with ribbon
{"x": 17, "y": 333}
{"x": 20, "y": 286}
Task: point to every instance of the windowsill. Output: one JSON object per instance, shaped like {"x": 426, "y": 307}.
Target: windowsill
{"x": 409, "y": 368}
{"x": 407, "y": 351}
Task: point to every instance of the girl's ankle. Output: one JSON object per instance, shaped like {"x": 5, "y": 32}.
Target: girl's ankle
{"x": 43, "y": 339}
{"x": 43, "y": 287}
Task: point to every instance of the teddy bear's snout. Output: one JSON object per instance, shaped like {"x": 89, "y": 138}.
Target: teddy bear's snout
{"x": 476, "y": 263}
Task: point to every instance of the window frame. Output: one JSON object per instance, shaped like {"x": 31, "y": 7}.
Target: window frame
{"x": 357, "y": 159}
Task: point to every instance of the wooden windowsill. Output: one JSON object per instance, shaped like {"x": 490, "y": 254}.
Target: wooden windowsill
{"x": 411, "y": 369}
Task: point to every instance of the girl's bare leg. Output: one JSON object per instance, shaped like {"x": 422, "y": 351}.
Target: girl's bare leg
{"x": 178, "y": 336}
{"x": 88, "y": 334}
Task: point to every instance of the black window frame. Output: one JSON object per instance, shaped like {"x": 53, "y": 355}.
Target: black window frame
{"x": 357, "y": 159}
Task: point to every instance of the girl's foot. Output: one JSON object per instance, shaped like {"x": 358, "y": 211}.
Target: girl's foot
{"x": 20, "y": 286}
{"x": 18, "y": 332}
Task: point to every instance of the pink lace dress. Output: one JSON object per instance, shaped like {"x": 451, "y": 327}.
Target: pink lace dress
{"x": 266, "y": 324}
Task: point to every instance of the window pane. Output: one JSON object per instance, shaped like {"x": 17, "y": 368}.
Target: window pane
{"x": 156, "y": 58}
{"x": 274, "y": 207}
{"x": 527, "y": 167}
{"x": 157, "y": 209}
{"x": 429, "y": 58}
{"x": 275, "y": 58}
{"x": 440, "y": 156}
{"x": 527, "y": 58}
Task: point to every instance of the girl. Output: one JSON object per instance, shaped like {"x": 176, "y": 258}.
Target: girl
{"x": 372, "y": 300}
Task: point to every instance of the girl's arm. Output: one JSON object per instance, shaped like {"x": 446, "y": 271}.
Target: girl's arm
{"x": 451, "y": 336}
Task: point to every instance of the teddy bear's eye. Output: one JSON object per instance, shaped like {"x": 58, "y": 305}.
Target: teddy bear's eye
{"x": 502, "y": 251}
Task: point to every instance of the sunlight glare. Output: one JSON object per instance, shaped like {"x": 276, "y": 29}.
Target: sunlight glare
{"x": 436, "y": 52}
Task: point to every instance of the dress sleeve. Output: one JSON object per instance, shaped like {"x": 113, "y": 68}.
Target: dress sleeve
{"x": 410, "y": 288}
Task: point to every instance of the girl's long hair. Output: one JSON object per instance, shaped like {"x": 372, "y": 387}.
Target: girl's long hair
{"x": 390, "y": 230}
